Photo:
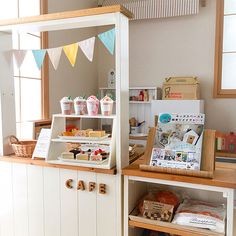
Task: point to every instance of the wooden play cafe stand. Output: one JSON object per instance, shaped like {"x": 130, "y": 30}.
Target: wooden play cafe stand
{"x": 215, "y": 182}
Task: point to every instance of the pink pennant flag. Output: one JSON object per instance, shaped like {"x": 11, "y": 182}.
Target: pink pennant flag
{"x": 55, "y": 55}
{"x": 19, "y": 56}
{"x": 87, "y": 46}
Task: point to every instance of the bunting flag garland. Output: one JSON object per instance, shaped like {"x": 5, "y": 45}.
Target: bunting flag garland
{"x": 55, "y": 55}
{"x": 108, "y": 39}
{"x": 39, "y": 56}
{"x": 87, "y": 46}
{"x": 71, "y": 51}
{"x": 19, "y": 56}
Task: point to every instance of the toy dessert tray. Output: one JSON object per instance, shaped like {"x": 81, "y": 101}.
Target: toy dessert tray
{"x": 82, "y": 161}
{"x": 81, "y": 138}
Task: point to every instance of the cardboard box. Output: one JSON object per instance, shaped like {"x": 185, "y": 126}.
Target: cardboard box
{"x": 182, "y": 88}
{"x": 158, "y": 211}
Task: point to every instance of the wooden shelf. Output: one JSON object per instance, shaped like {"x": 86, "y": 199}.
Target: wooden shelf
{"x": 140, "y": 102}
{"x": 225, "y": 154}
{"x": 222, "y": 177}
{"x": 173, "y": 229}
{"x": 104, "y": 141}
{"x": 86, "y": 116}
{"x": 43, "y": 163}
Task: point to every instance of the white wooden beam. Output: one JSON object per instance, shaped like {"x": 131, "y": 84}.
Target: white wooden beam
{"x": 7, "y": 98}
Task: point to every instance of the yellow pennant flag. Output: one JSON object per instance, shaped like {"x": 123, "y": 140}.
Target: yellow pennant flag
{"x": 71, "y": 51}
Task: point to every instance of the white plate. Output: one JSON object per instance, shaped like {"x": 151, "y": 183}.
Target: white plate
{"x": 79, "y": 138}
{"x": 82, "y": 161}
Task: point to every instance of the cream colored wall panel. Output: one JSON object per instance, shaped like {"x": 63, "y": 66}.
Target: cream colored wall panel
{"x": 35, "y": 200}
{"x": 87, "y": 207}
{"x": 6, "y": 200}
{"x": 51, "y": 182}
{"x": 107, "y": 206}
{"x": 20, "y": 197}
{"x": 69, "y": 207}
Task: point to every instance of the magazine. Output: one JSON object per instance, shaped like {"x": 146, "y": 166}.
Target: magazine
{"x": 179, "y": 141}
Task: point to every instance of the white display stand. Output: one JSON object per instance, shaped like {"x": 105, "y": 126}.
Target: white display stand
{"x": 58, "y": 145}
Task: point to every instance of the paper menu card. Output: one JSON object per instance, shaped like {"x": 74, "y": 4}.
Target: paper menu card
{"x": 43, "y": 142}
{"x": 179, "y": 141}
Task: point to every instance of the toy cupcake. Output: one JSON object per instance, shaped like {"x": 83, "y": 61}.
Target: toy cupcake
{"x": 66, "y": 106}
{"x": 92, "y": 105}
{"x": 106, "y": 106}
{"x": 80, "y": 106}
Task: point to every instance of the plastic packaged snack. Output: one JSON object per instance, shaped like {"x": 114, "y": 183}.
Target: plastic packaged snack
{"x": 106, "y": 106}
{"x": 92, "y": 105}
{"x": 66, "y": 105}
{"x": 80, "y": 106}
{"x": 201, "y": 215}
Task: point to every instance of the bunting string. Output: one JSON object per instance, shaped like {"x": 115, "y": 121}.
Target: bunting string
{"x": 71, "y": 51}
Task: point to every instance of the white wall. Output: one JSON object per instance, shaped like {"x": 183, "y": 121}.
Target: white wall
{"x": 159, "y": 48}
{"x": 80, "y": 80}
{"x": 179, "y": 46}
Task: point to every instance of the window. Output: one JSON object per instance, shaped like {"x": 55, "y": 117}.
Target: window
{"x": 31, "y": 85}
{"x": 225, "y": 50}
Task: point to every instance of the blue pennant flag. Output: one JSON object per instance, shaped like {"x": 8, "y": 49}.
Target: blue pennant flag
{"x": 39, "y": 56}
{"x": 108, "y": 39}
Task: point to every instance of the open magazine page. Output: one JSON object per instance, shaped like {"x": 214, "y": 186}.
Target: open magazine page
{"x": 179, "y": 141}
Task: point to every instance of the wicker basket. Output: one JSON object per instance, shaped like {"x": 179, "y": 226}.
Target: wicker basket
{"x": 22, "y": 148}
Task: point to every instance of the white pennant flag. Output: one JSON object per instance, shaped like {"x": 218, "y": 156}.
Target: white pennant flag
{"x": 8, "y": 56}
{"x": 87, "y": 46}
{"x": 55, "y": 55}
{"x": 19, "y": 56}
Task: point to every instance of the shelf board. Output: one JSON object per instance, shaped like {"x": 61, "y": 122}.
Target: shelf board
{"x": 226, "y": 154}
{"x": 173, "y": 229}
{"x": 86, "y": 116}
{"x": 104, "y": 141}
{"x": 130, "y": 88}
{"x": 140, "y": 102}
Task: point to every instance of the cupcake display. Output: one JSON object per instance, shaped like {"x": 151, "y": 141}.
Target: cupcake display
{"x": 66, "y": 106}
{"x": 106, "y": 106}
{"x": 92, "y": 105}
{"x": 80, "y": 106}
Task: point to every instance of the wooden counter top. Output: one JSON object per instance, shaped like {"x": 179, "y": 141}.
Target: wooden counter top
{"x": 224, "y": 175}
{"x": 68, "y": 15}
{"x": 43, "y": 163}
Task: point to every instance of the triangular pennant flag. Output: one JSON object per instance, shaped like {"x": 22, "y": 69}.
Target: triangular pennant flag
{"x": 108, "y": 39}
{"x": 71, "y": 51}
{"x": 55, "y": 55}
{"x": 19, "y": 56}
{"x": 8, "y": 56}
{"x": 87, "y": 46}
{"x": 39, "y": 56}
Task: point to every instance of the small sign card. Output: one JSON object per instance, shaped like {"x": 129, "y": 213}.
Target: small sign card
{"x": 42, "y": 146}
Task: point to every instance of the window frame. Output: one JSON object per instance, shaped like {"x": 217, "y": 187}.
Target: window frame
{"x": 45, "y": 67}
{"x": 218, "y": 92}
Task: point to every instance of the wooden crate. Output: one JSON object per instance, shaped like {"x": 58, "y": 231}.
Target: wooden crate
{"x": 207, "y": 161}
